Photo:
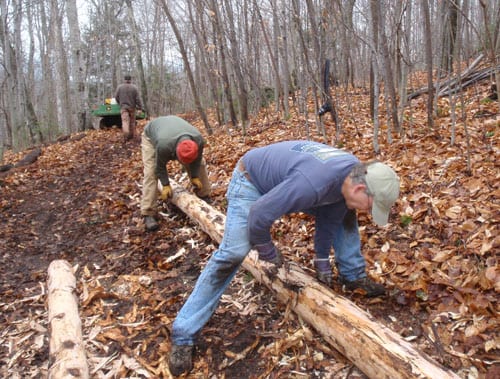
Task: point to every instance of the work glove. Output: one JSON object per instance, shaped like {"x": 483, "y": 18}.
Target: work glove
{"x": 197, "y": 183}
{"x": 324, "y": 271}
{"x": 269, "y": 253}
{"x": 166, "y": 192}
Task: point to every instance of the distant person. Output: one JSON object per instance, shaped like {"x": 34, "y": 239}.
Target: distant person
{"x": 127, "y": 95}
{"x": 283, "y": 178}
{"x": 164, "y": 139}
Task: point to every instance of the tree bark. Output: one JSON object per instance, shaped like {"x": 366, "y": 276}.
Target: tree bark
{"x": 195, "y": 11}
{"x": 61, "y": 74}
{"x": 138, "y": 56}
{"x": 11, "y": 107}
{"x": 373, "y": 348}
{"x": 187, "y": 66}
{"x": 79, "y": 89}
{"x": 67, "y": 354}
{"x": 428, "y": 62}
{"x": 237, "y": 63}
{"x": 384, "y": 56}
{"x": 274, "y": 58}
{"x": 220, "y": 41}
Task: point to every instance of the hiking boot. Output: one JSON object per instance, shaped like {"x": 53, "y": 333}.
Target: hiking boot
{"x": 151, "y": 223}
{"x": 364, "y": 285}
{"x": 181, "y": 359}
{"x": 323, "y": 271}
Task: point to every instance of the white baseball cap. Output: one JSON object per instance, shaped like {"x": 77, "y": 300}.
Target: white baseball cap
{"x": 383, "y": 184}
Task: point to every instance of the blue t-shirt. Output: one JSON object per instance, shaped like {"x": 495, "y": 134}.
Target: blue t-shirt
{"x": 298, "y": 176}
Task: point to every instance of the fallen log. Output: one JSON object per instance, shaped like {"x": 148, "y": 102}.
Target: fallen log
{"x": 28, "y": 159}
{"x": 66, "y": 351}
{"x": 459, "y": 82}
{"x": 6, "y": 167}
{"x": 375, "y": 349}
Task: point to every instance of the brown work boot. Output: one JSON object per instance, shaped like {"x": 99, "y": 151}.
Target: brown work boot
{"x": 151, "y": 223}
{"x": 181, "y": 359}
{"x": 364, "y": 285}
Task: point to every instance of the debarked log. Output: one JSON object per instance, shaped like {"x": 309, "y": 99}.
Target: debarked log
{"x": 374, "y": 348}
{"x": 67, "y": 357}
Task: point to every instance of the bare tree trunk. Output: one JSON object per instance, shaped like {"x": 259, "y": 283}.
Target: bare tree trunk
{"x": 223, "y": 64}
{"x": 238, "y": 63}
{"x": 491, "y": 19}
{"x": 63, "y": 99}
{"x": 154, "y": 53}
{"x": 374, "y": 90}
{"x": 280, "y": 95}
{"x": 374, "y": 77}
{"x": 274, "y": 58}
{"x": 390, "y": 90}
{"x": 185, "y": 59}
{"x": 404, "y": 59}
{"x": 449, "y": 22}
{"x": 138, "y": 55}
{"x": 79, "y": 89}
{"x": 428, "y": 62}
{"x": 343, "y": 16}
{"x": 319, "y": 58}
{"x": 9, "y": 87}
{"x": 283, "y": 49}
{"x": 306, "y": 57}
{"x": 200, "y": 31}
{"x": 46, "y": 44}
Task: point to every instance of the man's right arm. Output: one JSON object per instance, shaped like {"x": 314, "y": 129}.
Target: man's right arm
{"x": 161, "y": 168}
{"x": 327, "y": 219}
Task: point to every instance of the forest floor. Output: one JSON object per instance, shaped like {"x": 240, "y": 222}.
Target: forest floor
{"x": 80, "y": 202}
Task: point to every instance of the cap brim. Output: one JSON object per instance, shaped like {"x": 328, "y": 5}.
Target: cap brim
{"x": 380, "y": 214}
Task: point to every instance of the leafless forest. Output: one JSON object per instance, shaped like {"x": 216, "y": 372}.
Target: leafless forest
{"x": 410, "y": 82}
{"x": 60, "y": 58}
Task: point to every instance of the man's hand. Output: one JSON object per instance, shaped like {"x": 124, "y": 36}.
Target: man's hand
{"x": 269, "y": 253}
{"x": 166, "y": 192}
{"x": 197, "y": 183}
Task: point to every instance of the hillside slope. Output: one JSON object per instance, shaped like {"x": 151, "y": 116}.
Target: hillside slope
{"x": 79, "y": 201}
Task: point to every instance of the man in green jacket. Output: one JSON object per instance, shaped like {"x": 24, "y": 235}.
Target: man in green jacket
{"x": 164, "y": 139}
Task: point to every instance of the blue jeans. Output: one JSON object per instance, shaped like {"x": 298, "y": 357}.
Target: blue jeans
{"x": 222, "y": 265}
{"x": 346, "y": 242}
{"x": 348, "y": 258}
{"x": 225, "y": 262}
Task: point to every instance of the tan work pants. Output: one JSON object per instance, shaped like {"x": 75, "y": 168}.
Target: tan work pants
{"x": 150, "y": 181}
{"x": 128, "y": 123}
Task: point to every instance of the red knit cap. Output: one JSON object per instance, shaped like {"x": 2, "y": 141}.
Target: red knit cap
{"x": 187, "y": 151}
